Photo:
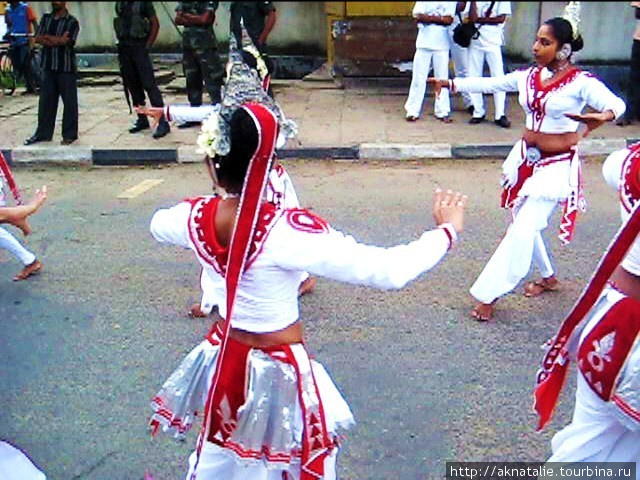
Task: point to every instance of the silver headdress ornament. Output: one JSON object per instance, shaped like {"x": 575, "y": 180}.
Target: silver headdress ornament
{"x": 572, "y": 15}
{"x": 243, "y": 85}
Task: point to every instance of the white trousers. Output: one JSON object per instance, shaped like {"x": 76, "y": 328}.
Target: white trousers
{"x": 460, "y": 59}
{"x": 521, "y": 245}
{"x": 493, "y": 57}
{"x": 421, "y": 67}
{"x": 215, "y": 464}
{"x": 9, "y": 242}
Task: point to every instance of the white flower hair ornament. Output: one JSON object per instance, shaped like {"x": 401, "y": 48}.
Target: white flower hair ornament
{"x": 243, "y": 85}
{"x": 261, "y": 66}
{"x": 572, "y": 15}
{"x": 209, "y": 139}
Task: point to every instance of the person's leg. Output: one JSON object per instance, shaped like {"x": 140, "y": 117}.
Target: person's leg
{"x": 28, "y": 259}
{"x": 147, "y": 76}
{"x": 148, "y": 80}
{"x": 442, "y": 106}
{"x": 541, "y": 257}
{"x": 130, "y": 75}
{"x": 212, "y": 73}
{"x": 476, "y": 65}
{"x": 512, "y": 259}
{"x": 47, "y": 106}
{"x": 29, "y": 80}
{"x": 19, "y": 55}
{"x": 421, "y": 65}
{"x": 496, "y": 68}
{"x": 192, "y": 76}
{"x": 69, "y": 93}
{"x": 460, "y": 58}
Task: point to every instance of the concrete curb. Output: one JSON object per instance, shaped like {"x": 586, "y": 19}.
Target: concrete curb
{"x": 80, "y": 155}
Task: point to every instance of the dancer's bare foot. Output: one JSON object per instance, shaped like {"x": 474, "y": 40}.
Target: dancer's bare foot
{"x": 533, "y": 289}
{"x": 29, "y": 270}
{"x": 196, "y": 312}
{"x": 482, "y": 312}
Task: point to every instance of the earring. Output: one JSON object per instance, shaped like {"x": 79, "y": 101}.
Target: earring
{"x": 564, "y": 52}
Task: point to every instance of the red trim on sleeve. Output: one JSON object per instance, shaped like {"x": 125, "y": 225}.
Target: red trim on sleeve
{"x": 446, "y": 230}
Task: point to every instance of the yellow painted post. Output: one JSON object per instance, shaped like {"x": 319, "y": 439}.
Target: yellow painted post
{"x": 379, "y": 9}
{"x": 334, "y": 11}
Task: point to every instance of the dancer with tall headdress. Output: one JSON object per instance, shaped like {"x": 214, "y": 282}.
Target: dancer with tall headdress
{"x": 270, "y": 412}
{"x": 280, "y": 189}
{"x": 543, "y": 169}
{"x": 602, "y": 335}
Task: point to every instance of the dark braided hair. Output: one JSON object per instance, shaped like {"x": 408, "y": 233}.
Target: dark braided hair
{"x": 244, "y": 143}
{"x": 563, "y": 32}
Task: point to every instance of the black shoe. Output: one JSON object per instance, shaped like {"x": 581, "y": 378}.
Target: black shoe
{"x": 142, "y": 123}
{"x": 162, "y": 129}
{"x": 35, "y": 139}
{"x": 503, "y": 122}
{"x": 67, "y": 141}
{"x": 476, "y": 120}
{"x": 189, "y": 124}
{"x": 470, "y": 109}
{"x": 623, "y": 122}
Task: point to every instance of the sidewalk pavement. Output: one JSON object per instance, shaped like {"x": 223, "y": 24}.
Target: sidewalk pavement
{"x": 359, "y": 121}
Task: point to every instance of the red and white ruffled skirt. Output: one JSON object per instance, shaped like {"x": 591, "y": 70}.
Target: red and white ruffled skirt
{"x": 276, "y": 410}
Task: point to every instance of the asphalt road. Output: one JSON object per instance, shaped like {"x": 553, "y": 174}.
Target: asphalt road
{"x": 85, "y": 344}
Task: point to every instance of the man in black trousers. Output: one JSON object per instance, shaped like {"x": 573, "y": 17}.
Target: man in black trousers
{"x": 136, "y": 25}
{"x": 57, "y": 34}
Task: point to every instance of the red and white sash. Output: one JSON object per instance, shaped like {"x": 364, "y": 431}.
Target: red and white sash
{"x": 225, "y": 384}
{"x": 555, "y": 364}
{"x": 5, "y": 171}
{"x": 606, "y": 348}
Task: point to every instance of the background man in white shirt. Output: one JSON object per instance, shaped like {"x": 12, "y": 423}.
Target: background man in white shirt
{"x": 490, "y": 17}
{"x": 432, "y": 43}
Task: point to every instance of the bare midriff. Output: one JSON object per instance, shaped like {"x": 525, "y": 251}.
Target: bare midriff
{"x": 551, "y": 142}
{"x": 289, "y": 335}
{"x": 626, "y": 282}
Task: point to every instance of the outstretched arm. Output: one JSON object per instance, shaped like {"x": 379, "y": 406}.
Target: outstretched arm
{"x": 302, "y": 241}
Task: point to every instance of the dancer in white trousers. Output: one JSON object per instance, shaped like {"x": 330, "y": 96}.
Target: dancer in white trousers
{"x": 459, "y": 54}
{"x": 490, "y": 17}
{"x": 602, "y": 340}
{"x": 543, "y": 169}
{"x": 432, "y": 46}
{"x": 270, "y": 412}
{"x": 17, "y": 216}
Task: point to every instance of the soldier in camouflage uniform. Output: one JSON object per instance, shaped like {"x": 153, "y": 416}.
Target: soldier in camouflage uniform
{"x": 259, "y": 19}
{"x": 200, "y": 59}
{"x": 136, "y": 26}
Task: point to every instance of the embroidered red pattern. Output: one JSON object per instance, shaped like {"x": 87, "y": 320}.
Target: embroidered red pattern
{"x": 306, "y": 221}
{"x": 538, "y": 94}
{"x": 202, "y": 232}
{"x": 630, "y": 184}
{"x": 606, "y": 348}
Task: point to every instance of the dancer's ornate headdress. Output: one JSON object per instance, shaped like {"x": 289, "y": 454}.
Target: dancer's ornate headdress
{"x": 244, "y": 84}
{"x": 572, "y": 15}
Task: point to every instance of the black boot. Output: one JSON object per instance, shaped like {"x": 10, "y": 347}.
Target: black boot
{"x": 142, "y": 123}
{"x": 162, "y": 129}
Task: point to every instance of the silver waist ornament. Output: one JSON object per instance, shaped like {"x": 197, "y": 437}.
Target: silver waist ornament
{"x": 533, "y": 155}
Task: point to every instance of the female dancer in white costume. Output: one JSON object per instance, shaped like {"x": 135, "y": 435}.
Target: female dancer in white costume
{"x": 543, "y": 168}
{"x": 270, "y": 412}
